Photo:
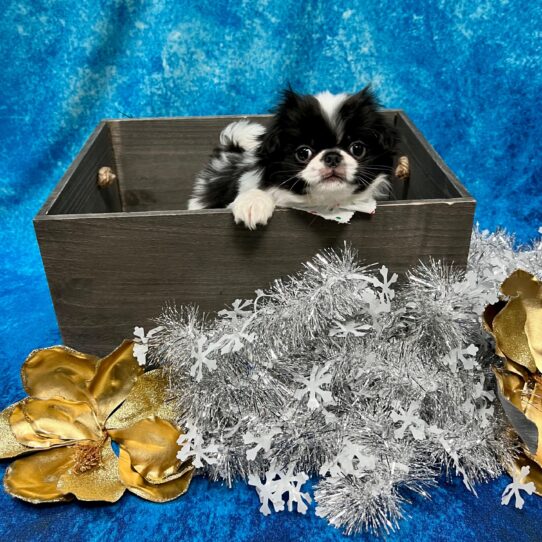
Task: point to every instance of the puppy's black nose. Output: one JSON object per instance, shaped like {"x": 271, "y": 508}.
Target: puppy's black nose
{"x": 332, "y": 159}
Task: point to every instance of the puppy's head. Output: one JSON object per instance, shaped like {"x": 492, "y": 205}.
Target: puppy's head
{"x": 327, "y": 143}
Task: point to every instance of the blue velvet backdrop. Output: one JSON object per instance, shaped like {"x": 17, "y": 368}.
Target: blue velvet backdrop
{"x": 468, "y": 72}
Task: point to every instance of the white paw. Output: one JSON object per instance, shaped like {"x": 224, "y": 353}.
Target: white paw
{"x": 253, "y": 207}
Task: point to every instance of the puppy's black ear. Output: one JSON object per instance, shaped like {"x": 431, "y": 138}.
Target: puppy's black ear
{"x": 365, "y": 106}
{"x": 290, "y": 97}
{"x": 287, "y": 106}
{"x": 363, "y": 102}
{"x": 387, "y": 136}
{"x": 270, "y": 141}
{"x": 289, "y": 102}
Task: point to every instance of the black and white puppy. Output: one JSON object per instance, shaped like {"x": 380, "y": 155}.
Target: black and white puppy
{"x": 319, "y": 151}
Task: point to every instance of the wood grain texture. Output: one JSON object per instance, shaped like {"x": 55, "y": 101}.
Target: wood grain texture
{"x": 108, "y": 273}
{"x": 77, "y": 191}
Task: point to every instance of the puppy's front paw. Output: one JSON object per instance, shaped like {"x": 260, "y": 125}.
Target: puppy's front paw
{"x": 253, "y": 207}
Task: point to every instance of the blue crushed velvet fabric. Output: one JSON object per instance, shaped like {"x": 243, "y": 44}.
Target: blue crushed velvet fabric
{"x": 468, "y": 73}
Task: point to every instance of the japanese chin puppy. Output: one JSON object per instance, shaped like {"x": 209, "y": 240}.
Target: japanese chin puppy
{"x": 318, "y": 151}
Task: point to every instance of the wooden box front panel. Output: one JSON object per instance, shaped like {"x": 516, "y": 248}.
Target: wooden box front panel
{"x": 108, "y": 274}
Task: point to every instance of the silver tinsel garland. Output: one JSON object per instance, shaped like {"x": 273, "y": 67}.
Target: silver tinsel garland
{"x": 343, "y": 374}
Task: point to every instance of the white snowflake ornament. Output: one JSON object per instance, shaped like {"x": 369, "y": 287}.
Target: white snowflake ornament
{"x": 277, "y": 484}
{"x": 480, "y": 393}
{"x": 192, "y": 446}
{"x": 238, "y": 310}
{"x": 485, "y": 412}
{"x": 234, "y": 342}
{"x": 350, "y": 327}
{"x": 292, "y": 486}
{"x": 200, "y": 356}
{"x": 262, "y": 442}
{"x": 513, "y": 489}
{"x": 313, "y": 387}
{"x": 267, "y": 492}
{"x": 141, "y": 343}
{"x": 351, "y": 461}
{"x": 385, "y": 283}
{"x": 465, "y": 356}
{"x": 410, "y": 420}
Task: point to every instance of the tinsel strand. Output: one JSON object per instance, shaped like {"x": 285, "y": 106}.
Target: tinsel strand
{"x": 340, "y": 373}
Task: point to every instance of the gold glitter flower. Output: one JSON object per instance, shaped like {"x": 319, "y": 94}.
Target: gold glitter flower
{"x": 516, "y": 325}
{"x": 77, "y": 405}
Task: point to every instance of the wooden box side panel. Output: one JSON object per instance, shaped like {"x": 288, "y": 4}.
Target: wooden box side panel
{"x": 158, "y": 159}
{"x": 78, "y": 190}
{"x": 430, "y": 177}
{"x": 107, "y": 274}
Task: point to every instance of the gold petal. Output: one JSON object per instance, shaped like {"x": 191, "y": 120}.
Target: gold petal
{"x": 153, "y": 492}
{"x": 147, "y": 398}
{"x": 58, "y": 372}
{"x": 509, "y": 330}
{"x": 533, "y": 329}
{"x": 34, "y": 478}
{"x": 115, "y": 376}
{"x": 24, "y": 431}
{"x": 520, "y": 283}
{"x": 9, "y": 446}
{"x": 43, "y": 423}
{"x": 489, "y": 314}
{"x": 152, "y": 446}
{"x": 101, "y": 483}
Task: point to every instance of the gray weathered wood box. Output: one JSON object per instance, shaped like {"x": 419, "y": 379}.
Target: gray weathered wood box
{"x": 113, "y": 256}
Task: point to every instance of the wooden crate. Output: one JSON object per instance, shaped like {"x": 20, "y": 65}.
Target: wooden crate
{"x": 114, "y": 256}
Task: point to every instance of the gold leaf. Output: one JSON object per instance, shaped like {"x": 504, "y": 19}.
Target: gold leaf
{"x": 489, "y": 315}
{"x": 510, "y": 366}
{"x": 533, "y": 411}
{"x": 34, "y": 478}
{"x": 522, "y": 402}
{"x": 511, "y": 386}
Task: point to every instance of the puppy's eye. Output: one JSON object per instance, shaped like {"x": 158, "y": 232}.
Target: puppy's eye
{"x": 357, "y": 149}
{"x": 303, "y": 154}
